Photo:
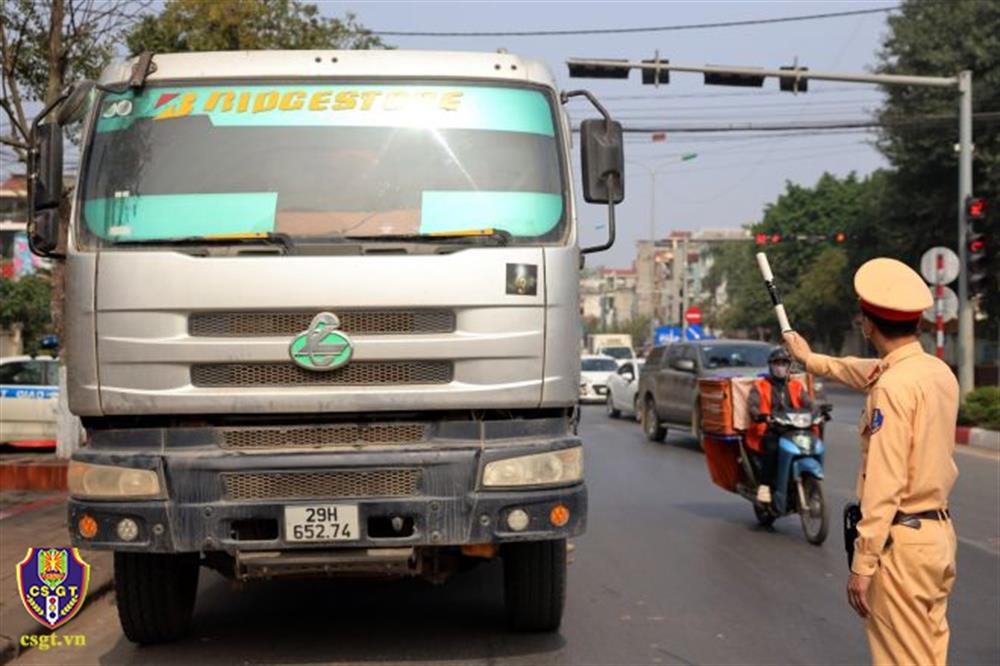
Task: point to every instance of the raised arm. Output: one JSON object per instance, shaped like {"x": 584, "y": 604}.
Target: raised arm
{"x": 850, "y": 370}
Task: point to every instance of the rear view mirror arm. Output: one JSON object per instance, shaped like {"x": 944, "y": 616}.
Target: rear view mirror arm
{"x": 612, "y": 178}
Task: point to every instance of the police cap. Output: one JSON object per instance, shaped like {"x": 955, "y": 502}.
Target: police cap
{"x": 889, "y": 289}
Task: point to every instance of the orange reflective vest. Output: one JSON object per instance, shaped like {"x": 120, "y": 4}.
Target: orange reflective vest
{"x": 755, "y": 432}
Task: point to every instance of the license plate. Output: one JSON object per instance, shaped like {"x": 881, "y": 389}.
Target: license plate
{"x": 322, "y": 522}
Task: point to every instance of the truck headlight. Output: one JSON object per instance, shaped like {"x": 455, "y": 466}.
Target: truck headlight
{"x": 540, "y": 469}
{"x": 88, "y": 481}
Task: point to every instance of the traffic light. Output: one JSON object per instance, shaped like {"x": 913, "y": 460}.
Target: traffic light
{"x": 729, "y": 79}
{"x": 839, "y": 237}
{"x": 975, "y": 209}
{"x": 763, "y": 238}
{"x": 794, "y": 84}
{"x": 583, "y": 71}
{"x": 651, "y": 77}
{"x": 976, "y": 248}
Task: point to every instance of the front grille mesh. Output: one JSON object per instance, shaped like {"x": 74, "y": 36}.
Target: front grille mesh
{"x": 352, "y": 322}
{"x": 358, "y": 373}
{"x": 320, "y": 485}
{"x": 338, "y": 434}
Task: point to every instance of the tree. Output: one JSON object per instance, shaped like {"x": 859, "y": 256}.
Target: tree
{"x": 814, "y": 275}
{"x": 823, "y": 304}
{"x": 25, "y": 302}
{"x": 934, "y": 38}
{"x": 38, "y": 61}
{"x": 233, "y": 25}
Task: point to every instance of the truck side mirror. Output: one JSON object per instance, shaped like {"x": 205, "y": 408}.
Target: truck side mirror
{"x": 46, "y": 167}
{"x": 602, "y": 156}
{"x": 45, "y": 186}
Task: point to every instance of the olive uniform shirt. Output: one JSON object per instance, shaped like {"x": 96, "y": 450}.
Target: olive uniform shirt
{"x": 907, "y": 438}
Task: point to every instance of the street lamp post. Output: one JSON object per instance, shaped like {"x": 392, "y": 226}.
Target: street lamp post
{"x": 653, "y": 172}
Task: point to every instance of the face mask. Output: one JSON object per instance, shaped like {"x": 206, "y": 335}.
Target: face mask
{"x": 779, "y": 370}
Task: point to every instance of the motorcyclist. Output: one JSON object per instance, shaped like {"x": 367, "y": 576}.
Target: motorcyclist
{"x": 774, "y": 392}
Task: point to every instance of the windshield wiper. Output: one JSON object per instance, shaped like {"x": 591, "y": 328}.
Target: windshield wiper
{"x": 263, "y": 238}
{"x": 495, "y": 236}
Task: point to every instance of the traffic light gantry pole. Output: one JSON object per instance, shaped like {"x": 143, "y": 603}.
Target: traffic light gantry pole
{"x": 795, "y": 79}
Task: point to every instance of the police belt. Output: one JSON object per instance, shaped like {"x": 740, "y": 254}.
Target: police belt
{"x": 913, "y": 519}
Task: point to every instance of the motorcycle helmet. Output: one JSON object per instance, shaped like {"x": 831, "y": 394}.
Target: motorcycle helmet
{"x": 779, "y": 363}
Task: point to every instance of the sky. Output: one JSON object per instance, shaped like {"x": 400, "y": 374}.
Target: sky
{"x": 734, "y": 175}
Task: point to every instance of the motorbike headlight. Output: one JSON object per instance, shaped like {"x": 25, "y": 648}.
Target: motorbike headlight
{"x": 803, "y": 441}
{"x": 88, "y": 481}
{"x": 540, "y": 469}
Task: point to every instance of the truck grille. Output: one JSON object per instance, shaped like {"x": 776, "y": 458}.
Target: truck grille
{"x": 340, "y": 434}
{"x": 358, "y": 373}
{"x": 357, "y": 322}
{"x": 320, "y": 485}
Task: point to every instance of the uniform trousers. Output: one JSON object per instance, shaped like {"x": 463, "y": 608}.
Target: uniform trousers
{"x": 908, "y": 596}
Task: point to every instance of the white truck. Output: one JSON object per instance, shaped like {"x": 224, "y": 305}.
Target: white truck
{"x": 616, "y": 345}
{"x": 317, "y": 313}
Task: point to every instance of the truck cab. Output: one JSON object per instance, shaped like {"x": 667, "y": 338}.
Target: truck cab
{"x": 317, "y": 315}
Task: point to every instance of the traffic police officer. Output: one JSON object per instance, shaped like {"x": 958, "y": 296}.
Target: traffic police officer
{"x": 904, "y": 556}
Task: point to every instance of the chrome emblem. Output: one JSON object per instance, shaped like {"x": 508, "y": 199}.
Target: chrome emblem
{"x": 322, "y": 347}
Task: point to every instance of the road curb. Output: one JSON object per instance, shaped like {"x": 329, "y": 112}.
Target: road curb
{"x": 42, "y": 475}
{"x": 979, "y": 438}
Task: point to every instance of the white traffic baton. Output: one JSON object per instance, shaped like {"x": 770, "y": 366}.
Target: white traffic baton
{"x": 772, "y": 290}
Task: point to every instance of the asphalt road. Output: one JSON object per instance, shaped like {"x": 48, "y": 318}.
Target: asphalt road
{"x": 671, "y": 570}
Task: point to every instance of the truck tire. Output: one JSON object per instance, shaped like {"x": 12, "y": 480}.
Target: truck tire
{"x": 534, "y": 576}
{"x": 155, "y": 594}
{"x": 651, "y": 424}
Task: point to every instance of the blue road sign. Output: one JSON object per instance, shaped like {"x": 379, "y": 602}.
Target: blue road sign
{"x": 694, "y": 332}
{"x": 664, "y": 335}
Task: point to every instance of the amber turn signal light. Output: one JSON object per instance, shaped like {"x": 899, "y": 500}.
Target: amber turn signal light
{"x": 87, "y": 526}
{"x": 559, "y": 515}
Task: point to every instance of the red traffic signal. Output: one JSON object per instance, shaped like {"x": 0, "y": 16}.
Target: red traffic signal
{"x": 975, "y": 208}
{"x": 839, "y": 237}
{"x": 977, "y": 244}
{"x": 761, "y": 239}
{"x": 775, "y": 238}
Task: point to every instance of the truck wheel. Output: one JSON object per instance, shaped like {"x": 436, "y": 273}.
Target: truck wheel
{"x": 534, "y": 576}
{"x": 612, "y": 411}
{"x": 155, "y": 594}
{"x": 655, "y": 431}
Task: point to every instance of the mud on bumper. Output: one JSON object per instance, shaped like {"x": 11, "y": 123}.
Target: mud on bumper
{"x": 445, "y": 504}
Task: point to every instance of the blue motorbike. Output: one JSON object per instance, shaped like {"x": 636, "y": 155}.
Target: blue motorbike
{"x": 798, "y": 487}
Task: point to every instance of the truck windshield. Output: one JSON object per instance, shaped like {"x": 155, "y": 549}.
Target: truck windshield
{"x": 323, "y": 162}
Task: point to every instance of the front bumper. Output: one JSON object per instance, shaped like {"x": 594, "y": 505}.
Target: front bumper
{"x": 447, "y": 507}
{"x": 592, "y": 393}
